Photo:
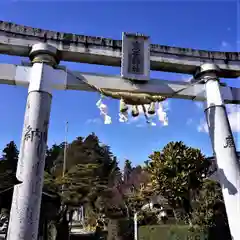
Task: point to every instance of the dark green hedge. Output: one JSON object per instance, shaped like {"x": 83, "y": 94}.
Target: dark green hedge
{"x": 170, "y": 232}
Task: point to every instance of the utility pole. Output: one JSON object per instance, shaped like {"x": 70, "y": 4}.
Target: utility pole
{"x": 27, "y": 196}
{"x": 83, "y": 218}
{"x": 65, "y": 156}
{"x": 65, "y": 149}
{"x": 135, "y": 225}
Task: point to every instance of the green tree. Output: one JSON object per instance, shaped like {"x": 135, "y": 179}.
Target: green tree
{"x": 80, "y": 184}
{"x": 137, "y": 191}
{"x": 10, "y": 154}
{"x": 132, "y": 193}
{"x": 92, "y": 177}
{"x": 52, "y": 155}
{"x": 177, "y": 173}
{"x": 90, "y": 168}
{"x": 209, "y": 193}
{"x": 8, "y": 166}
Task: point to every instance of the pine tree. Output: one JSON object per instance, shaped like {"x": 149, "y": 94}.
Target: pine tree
{"x": 52, "y": 155}
{"x": 8, "y": 166}
{"x": 90, "y": 170}
{"x": 10, "y": 154}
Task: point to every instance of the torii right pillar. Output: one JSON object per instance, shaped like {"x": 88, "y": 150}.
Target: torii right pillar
{"x": 223, "y": 145}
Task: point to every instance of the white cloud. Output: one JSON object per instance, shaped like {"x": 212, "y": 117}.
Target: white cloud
{"x": 226, "y": 46}
{"x": 202, "y": 127}
{"x": 94, "y": 121}
{"x": 140, "y": 125}
{"x": 233, "y": 116}
{"x": 199, "y": 104}
{"x": 238, "y": 44}
{"x": 189, "y": 121}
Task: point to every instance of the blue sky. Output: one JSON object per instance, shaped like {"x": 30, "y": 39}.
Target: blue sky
{"x": 196, "y": 24}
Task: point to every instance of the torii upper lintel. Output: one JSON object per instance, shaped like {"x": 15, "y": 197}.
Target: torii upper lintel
{"x": 17, "y": 40}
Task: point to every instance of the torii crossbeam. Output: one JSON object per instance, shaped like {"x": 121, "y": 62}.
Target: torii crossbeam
{"x": 47, "y": 48}
{"x": 72, "y": 80}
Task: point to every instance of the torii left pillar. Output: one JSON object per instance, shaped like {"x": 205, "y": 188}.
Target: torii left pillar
{"x": 26, "y": 202}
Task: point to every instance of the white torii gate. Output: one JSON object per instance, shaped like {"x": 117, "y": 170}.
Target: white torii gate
{"x": 44, "y": 75}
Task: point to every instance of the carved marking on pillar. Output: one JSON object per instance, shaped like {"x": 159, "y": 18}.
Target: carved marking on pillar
{"x": 42, "y": 139}
{"x": 22, "y": 208}
{"x": 229, "y": 142}
{"x": 20, "y": 167}
{"x": 35, "y": 186}
{"x": 40, "y": 136}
